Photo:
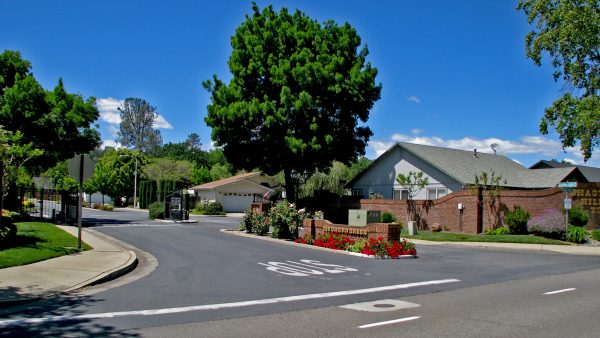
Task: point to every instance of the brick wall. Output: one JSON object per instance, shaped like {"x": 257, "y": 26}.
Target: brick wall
{"x": 389, "y": 232}
{"x": 445, "y": 212}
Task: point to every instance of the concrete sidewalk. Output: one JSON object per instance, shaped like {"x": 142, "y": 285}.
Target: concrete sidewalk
{"x": 62, "y": 274}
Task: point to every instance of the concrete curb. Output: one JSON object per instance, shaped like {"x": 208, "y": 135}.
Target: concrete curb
{"x": 564, "y": 249}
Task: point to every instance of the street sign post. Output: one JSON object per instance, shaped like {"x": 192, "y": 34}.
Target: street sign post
{"x": 567, "y": 187}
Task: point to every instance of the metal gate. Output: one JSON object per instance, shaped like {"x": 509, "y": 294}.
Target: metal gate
{"x": 53, "y": 205}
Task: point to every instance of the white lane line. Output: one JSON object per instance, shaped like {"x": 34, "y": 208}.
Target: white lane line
{"x": 21, "y": 321}
{"x": 560, "y": 291}
{"x": 366, "y": 326}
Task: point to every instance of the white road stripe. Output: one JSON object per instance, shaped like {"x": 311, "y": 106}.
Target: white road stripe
{"x": 21, "y": 321}
{"x": 366, "y": 326}
{"x": 560, "y": 291}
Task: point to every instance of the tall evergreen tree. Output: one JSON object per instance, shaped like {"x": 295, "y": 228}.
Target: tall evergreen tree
{"x": 298, "y": 92}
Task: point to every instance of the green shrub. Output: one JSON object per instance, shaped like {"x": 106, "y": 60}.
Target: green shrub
{"x": 260, "y": 223}
{"x": 498, "y": 231}
{"x": 8, "y": 229}
{"x": 246, "y": 223}
{"x": 212, "y": 208}
{"x": 386, "y": 217}
{"x": 285, "y": 220}
{"x": 577, "y": 216}
{"x": 596, "y": 235}
{"x": 517, "y": 221}
{"x": 156, "y": 210}
{"x": 357, "y": 246}
{"x": 576, "y": 234}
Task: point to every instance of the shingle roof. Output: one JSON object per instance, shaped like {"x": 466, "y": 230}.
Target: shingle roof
{"x": 463, "y": 166}
{"x": 592, "y": 174}
{"x": 225, "y": 181}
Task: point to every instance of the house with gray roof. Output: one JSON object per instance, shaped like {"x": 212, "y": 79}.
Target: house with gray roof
{"x": 450, "y": 170}
{"x": 592, "y": 174}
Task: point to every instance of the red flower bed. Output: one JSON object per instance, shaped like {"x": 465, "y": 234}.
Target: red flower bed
{"x": 374, "y": 247}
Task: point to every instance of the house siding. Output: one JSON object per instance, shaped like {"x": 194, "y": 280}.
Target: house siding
{"x": 381, "y": 177}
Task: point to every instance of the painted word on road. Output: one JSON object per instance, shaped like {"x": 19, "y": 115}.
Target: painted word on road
{"x": 305, "y": 267}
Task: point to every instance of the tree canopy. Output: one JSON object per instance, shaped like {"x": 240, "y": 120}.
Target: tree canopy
{"x": 114, "y": 173}
{"x": 136, "y": 128}
{"x": 298, "y": 92}
{"x": 56, "y": 121}
{"x": 568, "y": 31}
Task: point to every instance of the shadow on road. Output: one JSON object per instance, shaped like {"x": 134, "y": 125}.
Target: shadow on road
{"x": 56, "y": 318}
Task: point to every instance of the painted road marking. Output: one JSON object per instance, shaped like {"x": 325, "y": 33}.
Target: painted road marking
{"x": 560, "y": 291}
{"x": 305, "y": 267}
{"x": 381, "y": 305}
{"x": 366, "y": 326}
{"x": 25, "y": 321}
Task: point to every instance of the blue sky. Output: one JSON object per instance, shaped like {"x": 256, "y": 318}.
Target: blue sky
{"x": 454, "y": 73}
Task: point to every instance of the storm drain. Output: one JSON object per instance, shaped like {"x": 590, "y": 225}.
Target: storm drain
{"x": 381, "y": 305}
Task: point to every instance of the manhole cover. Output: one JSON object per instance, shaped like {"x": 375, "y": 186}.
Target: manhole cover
{"x": 381, "y": 305}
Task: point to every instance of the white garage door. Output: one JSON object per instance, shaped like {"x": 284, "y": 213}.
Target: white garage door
{"x": 236, "y": 203}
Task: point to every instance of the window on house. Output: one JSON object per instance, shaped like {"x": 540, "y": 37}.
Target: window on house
{"x": 357, "y": 192}
{"x": 435, "y": 193}
{"x": 400, "y": 194}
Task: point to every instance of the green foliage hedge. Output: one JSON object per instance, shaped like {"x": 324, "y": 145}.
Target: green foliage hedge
{"x": 498, "y": 231}
{"x": 156, "y": 210}
{"x": 212, "y": 208}
{"x": 516, "y": 220}
{"x": 596, "y": 235}
{"x": 8, "y": 229}
{"x": 386, "y": 217}
{"x": 576, "y": 234}
{"x": 577, "y": 216}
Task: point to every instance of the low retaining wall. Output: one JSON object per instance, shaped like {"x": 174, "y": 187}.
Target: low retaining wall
{"x": 389, "y": 232}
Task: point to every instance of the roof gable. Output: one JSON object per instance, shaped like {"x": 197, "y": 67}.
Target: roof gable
{"x": 229, "y": 180}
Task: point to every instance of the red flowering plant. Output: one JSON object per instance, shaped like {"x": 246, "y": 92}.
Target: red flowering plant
{"x": 381, "y": 248}
{"x": 334, "y": 241}
{"x": 374, "y": 247}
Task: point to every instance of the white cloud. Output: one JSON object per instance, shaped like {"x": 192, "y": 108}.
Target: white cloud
{"x": 161, "y": 123}
{"x": 416, "y": 131}
{"x": 114, "y": 131}
{"x": 413, "y": 99}
{"x": 108, "y": 109}
{"x": 110, "y": 143}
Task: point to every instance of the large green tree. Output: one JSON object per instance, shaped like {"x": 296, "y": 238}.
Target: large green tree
{"x": 56, "y": 121}
{"x": 189, "y": 150}
{"x": 298, "y": 92}
{"x": 114, "y": 173}
{"x": 136, "y": 128}
{"x": 568, "y": 31}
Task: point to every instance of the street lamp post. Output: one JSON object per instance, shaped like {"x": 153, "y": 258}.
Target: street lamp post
{"x": 298, "y": 177}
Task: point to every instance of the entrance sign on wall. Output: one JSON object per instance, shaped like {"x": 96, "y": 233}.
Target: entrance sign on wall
{"x": 305, "y": 267}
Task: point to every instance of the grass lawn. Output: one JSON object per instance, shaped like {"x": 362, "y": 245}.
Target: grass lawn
{"x": 36, "y": 242}
{"x": 459, "y": 237}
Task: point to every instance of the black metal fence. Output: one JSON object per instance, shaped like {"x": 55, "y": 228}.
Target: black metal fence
{"x": 53, "y": 205}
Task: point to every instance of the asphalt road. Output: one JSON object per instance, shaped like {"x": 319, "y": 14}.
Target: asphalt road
{"x": 206, "y": 283}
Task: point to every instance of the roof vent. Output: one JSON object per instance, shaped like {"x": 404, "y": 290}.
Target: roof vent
{"x": 474, "y": 152}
